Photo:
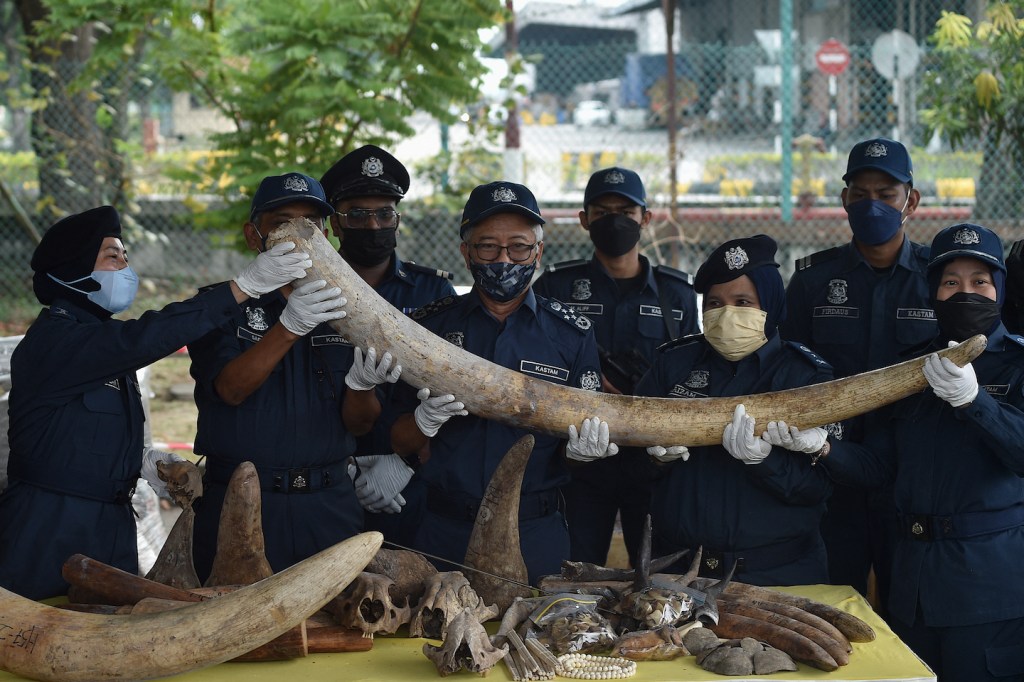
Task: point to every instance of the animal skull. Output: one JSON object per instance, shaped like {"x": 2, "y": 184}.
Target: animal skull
{"x": 466, "y": 645}
{"x": 367, "y": 605}
{"x": 447, "y": 595}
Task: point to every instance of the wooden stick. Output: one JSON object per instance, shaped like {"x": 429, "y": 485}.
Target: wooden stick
{"x": 113, "y": 586}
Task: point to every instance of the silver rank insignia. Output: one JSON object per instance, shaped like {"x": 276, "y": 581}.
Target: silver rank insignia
{"x": 503, "y": 194}
{"x": 581, "y": 290}
{"x": 583, "y": 322}
{"x": 296, "y": 183}
{"x": 837, "y": 291}
{"x": 699, "y": 378}
{"x": 373, "y": 167}
{"x": 736, "y": 258}
{"x": 966, "y": 236}
{"x": 257, "y": 319}
{"x": 590, "y": 381}
{"x": 455, "y": 338}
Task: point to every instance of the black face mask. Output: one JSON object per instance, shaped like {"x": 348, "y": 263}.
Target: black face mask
{"x": 368, "y": 247}
{"x": 614, "y": 234}
{"x": 963, "y": 315}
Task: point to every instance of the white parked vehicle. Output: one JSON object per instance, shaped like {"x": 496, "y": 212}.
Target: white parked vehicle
{"x": 591, "y": 112}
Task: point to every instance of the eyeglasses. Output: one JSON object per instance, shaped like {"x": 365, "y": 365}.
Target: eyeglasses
{"x": 360, "y": 217}
{"x": 517, "y": 253}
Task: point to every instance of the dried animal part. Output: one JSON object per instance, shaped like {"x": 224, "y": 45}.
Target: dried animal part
{"x": 744, "y": 657}
{"x": 700, "y": 639}
{"x": 447, "y": 595}
{"x": 409, "y": 570}
{"x": 105, "y": 584}
{"x": 494, "y": 392}
{"x": 465, "y": 647}
{"x": 184, "y": 482}
{"x": 734, "y": 626}
{"x": 497, "y": 525}
{"x": 66, "y": 646}
{"x": 174, "y": 565}
{"x": 662, "y": 644}
{"x": 654, "y": 607}
{"x": 367, "y": 605}
{"x": 241, "y": 557}
{"x": 804, "y": 617}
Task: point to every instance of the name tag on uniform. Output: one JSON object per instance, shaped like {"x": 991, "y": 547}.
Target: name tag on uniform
{"x": 587, "y": 308}
{"x": 836, "y": 311}
{"x": 915, "y": 314}
{"x": 997, "y": 389}
{"x": 655, "y": 311}
{"x": 247, "y": 335}
{"x": 541, "y": 370}
{"x": 329, "y": 340}
{"x": 683, "y": 392}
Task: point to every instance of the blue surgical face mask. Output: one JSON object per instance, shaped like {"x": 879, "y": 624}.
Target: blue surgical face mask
{"x": 503, "y": 281}
{"x": 874, "y": 222}
{"x": 117, "y": 288}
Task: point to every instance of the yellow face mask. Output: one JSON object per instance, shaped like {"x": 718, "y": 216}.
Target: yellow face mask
{"x": 735, "y": 332}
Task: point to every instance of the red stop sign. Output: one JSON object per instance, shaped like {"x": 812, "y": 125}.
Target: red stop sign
{"x": 832, "y": 57}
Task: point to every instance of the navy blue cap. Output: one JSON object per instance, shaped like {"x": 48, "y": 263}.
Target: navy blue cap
{"x": 967, "y": 240}
{"x": 499, "y": 197}
{"x": 881, "y": 153}
{"x": 275, "y": 190}
{"x": 733, "y": 259}
{"x": 615, "y": 180}
{"x": 367, "y": 171}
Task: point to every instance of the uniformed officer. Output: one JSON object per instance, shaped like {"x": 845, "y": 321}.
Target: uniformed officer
{"x": 955, "y": 454}
{"x": 862, "y": 305}
{"x": 501, "y": 320}
{"x": 744, "y": 502}
{"x": 365, "y": 187}
{"x": 272, "y": 389}
{"x": 76, "y": 427}
{"x": 627, "y": 299}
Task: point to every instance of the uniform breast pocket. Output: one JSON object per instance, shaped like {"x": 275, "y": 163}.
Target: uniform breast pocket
{"x": 837, "y": 326}
{"x": 911, "y": 332}
{"x": 331, "y": 362}
{"x": 102, "y": 422}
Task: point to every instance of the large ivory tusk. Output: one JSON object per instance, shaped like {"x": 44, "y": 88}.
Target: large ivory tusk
{"x": 45, "y": 643}
{"x": 494, "y": 392}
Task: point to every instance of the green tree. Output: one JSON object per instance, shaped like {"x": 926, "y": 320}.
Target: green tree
{"x": 974, "y": 92}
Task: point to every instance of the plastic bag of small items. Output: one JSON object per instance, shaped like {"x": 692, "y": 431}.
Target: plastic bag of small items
{"x": 570, "y": 624}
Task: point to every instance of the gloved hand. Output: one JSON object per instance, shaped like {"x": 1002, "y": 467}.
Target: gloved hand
{"x": 433, "y": 412}
{"x": 669, "y": 454}
{"x": 150, "y": 457}
{"x": 380, "y": 482}
{"x": 272, "y": 269}
{"x": 739, "y": 440}
{"x": 956, "y": 385}
{"x": 367, "y": 373}
{"x": 809, "y": 441}
{"x": 311, "y": 304}
{"x": 591, "y": 443}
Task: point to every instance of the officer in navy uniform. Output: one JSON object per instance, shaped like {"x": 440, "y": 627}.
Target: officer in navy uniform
{"x": 76, "y": 427}
{"x": 862, "y": 306}
{"x": 745, "y": 502}
{"x": 365, "y": 187}
{"x": 272, "y": 388}
{"x": 625, "y": 297}
{"x": 502, "y": 320}
{"x": 955, "y": 454}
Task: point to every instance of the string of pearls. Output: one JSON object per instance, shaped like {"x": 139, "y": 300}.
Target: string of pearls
{"x": 588, "y": 667}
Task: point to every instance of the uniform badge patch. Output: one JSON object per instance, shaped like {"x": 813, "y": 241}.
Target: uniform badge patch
{"x": 583, "y": 322}
{"x": 581, "y": 290}
{"x": 590, "y": 380}
{"x": 614, "y": 178}
{"x": 455, "y": 338}
{"x": 966, "y": 236}
{"x": 373, "y": 167}
{"x": 837, "y": 291}
{"x": 296, "y": 183}
{"x": 835, "y": 429}
{"x": 876, "y": 150}
{"x": 736, "y": 258}
{"x": 257, "y": 319}
{"x": 699, "y": 378}
{"x": 503, "y": 194}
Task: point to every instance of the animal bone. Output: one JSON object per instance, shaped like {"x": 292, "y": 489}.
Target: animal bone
{"x": 494, "y": 392}
{"x": 409, "y": 570}
{"x": 367, "y": 605}
{"x": 241, "y": 557}
{"x": 174, "y": 564}
{"x": 184, "y": 482}
{"x": 447, "y": 595}
{"x": 466, "y": 646}
{"x": 46, "y": 643}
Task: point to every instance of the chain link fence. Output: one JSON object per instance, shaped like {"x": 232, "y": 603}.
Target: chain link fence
{"x": 748, "y": 159}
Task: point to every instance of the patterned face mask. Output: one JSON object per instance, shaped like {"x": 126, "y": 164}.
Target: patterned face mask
{"x": 503, "y": 281}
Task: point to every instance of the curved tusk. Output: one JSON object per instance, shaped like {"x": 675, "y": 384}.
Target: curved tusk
{"x": 494, "y": 392}
{"x": 45, "y": 643}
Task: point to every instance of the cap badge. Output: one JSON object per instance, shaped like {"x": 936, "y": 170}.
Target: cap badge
{"x": 373, "y": 167}
{"x": 614, "y": 178}
{"x": 296, "y": 183}
{"x": 503, "y": 194}
{"x": 876, "y": 149}
{"x": 966, "y": 236}
{"x": 736, "y": 258}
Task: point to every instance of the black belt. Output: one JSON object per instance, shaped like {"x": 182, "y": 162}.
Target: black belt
{"x": 281, "y": 479}
{"x": 84, "y": 484}
{"x": 464, "y": 508}
{"x": 716, "y": 563}
{"x": 926, "y": 528}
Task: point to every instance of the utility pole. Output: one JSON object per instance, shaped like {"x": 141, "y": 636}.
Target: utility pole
{"x": 513, "y": 152}
{"x": 668, "y": 7}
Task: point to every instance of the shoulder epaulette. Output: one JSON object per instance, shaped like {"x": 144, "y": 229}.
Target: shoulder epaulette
{"x": 819, "y": 257}
{"x": 808, "y": 354}
{"x": 415, "y": 267}
{"x": 1016, "y": 338}
{"x": 566, "y": 264}
{"x": 581, "y": 323}
{"x": 680, "y": 342}
{"x": 672, "y": 272}
{"x": 922, "y": 251}
{"x": 209, "y": 286}
{"x": 433, "y": 307}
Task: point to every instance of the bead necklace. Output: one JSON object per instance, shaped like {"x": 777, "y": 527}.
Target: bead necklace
{"x": 587, "y": 667}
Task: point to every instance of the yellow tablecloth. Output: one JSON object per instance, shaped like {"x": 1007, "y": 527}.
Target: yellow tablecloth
{"x": 401, "y": 658}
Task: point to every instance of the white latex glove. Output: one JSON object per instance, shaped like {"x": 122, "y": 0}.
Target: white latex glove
{"x": 149, "y": 471}
{"x": 809, "y": 441}
{"x": 591, "y": 443}
{"x": 669, "y": 454}
{"x": 272, "y": 269}
{"x": 956, "y": 385}
{"x": 311, "y": 304}
{"x": 381, "y": 481}
{"x": 739, "y": 440}
{"x": 433, "y": 412}
{"x": 366, "y": 372}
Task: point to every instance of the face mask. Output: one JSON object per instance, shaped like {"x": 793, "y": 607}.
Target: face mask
{"x": 614, "y": 234}
{"x": 368, "y": 247}
{"x": 503, "y": 281}
{"x": 735, "y": 332}
{"x": 117, "y": 288}
{"x": 874, "y": 222}
{"x": 963, "y": 315}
